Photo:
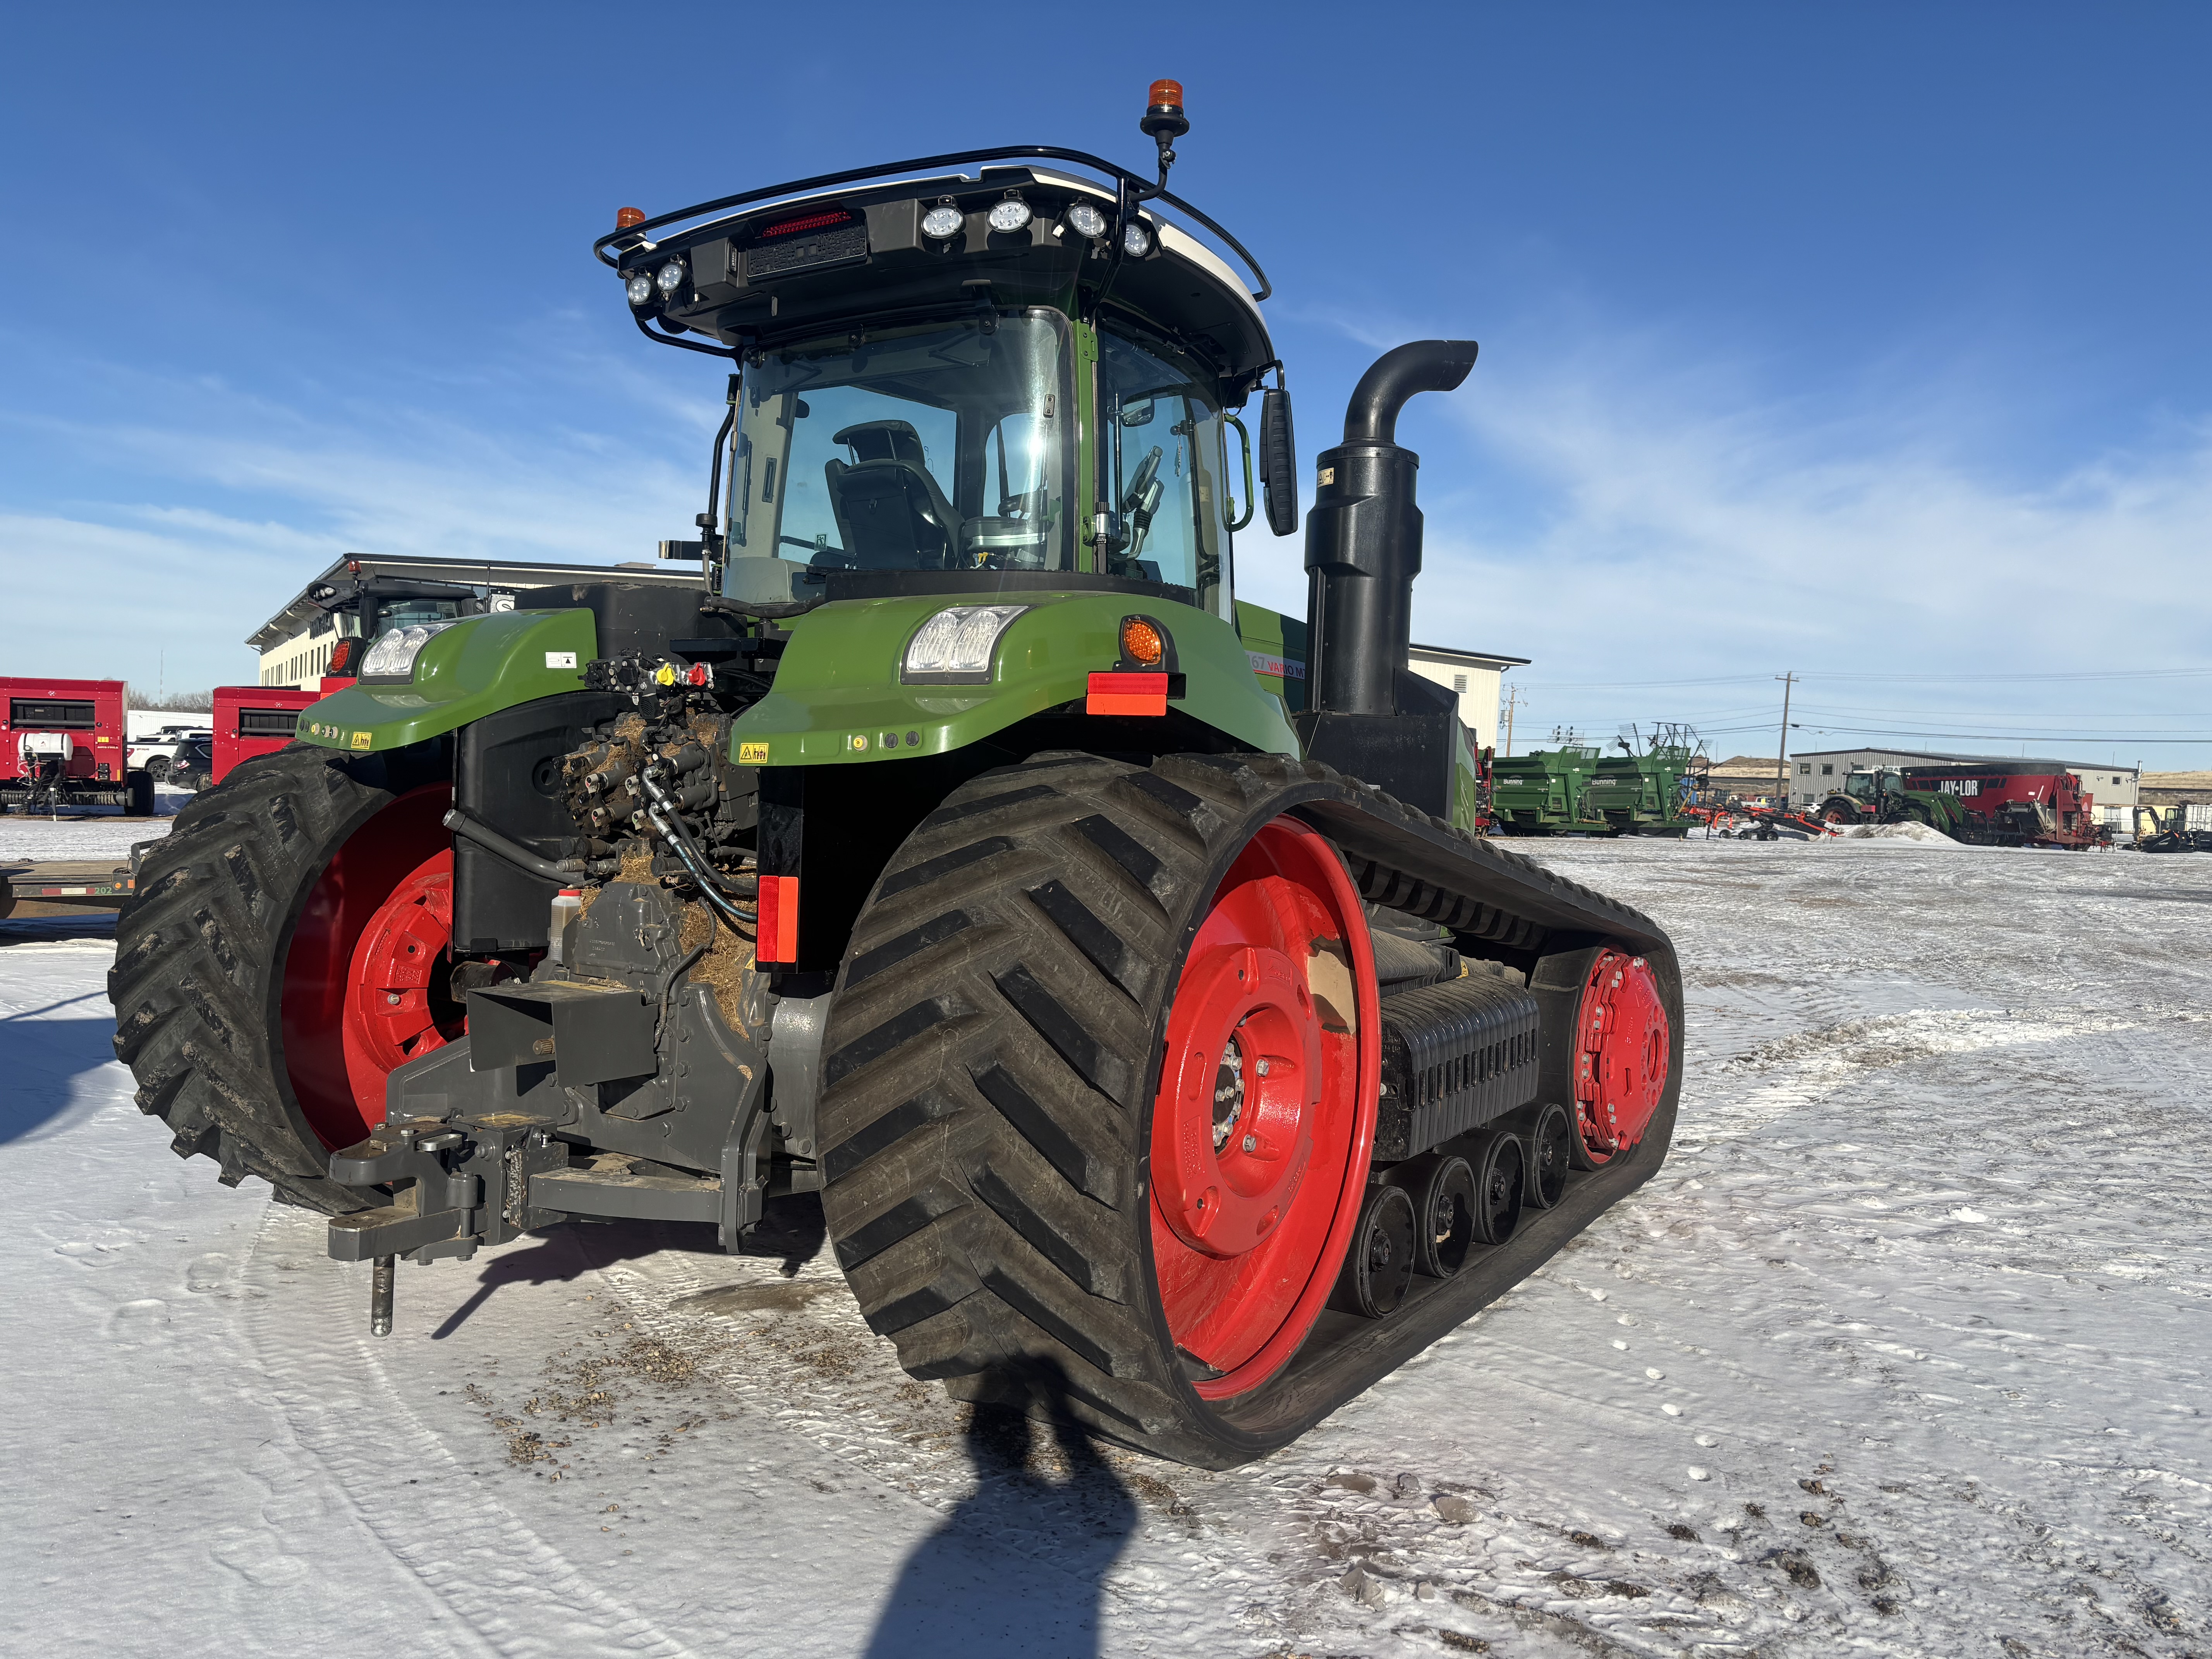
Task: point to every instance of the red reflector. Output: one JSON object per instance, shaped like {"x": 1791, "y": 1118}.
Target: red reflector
{"x": 811, "y": 222}
{"x": 778, "y": 920}
{"x": 1128, "y": 694}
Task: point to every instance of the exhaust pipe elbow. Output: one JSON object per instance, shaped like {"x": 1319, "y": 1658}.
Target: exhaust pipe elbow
{"x": 1392, "y": 381}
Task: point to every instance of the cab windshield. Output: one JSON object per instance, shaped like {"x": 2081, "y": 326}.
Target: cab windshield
{"x": 941, "y": 447}
{"x": 406, "y": 613}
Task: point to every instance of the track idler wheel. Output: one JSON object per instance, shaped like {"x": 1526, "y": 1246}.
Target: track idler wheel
{"x": 1620, "y": 1058}
{"x": 1378, "y": 1268}
{"x": 1442, "y": 1187}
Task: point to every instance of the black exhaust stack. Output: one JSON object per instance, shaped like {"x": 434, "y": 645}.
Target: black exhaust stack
{"x": 1368, "y": 713}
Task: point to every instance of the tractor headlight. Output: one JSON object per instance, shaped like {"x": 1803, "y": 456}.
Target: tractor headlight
{"x": 1084, "y": 219}
{"x": 1010, "y": 214}
{"x": 670, "y": 277}
{"x": 942, "y": 221}
{"x": 954, "y": 647}
{"x": 1136, "y": 241}
{"x": 393, "y": 656}
{"x": 640, "y": 289}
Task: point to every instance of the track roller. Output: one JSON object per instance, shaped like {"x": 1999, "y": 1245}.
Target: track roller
{"x": 1378, "y": 1268}
{"x": 1442, "y": 1187}
{"x": 1546, "y": 1137}
{"x": 1494, "y": 1155}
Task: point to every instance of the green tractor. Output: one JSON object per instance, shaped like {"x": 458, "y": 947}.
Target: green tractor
{"x": 1165, "y": 1056}
{"x": 1877, "y": 794}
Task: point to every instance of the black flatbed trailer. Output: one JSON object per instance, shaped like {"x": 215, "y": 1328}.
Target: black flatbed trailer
{"x": 48, "y": 889}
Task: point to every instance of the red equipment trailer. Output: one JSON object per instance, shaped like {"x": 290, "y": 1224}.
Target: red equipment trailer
{"x": 2025, "y": 803}
{"x": 256, "y": 720}
{"x": 63, "y": 743}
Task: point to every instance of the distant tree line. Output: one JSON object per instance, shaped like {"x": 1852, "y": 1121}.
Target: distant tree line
{"x": 176, "y": 702}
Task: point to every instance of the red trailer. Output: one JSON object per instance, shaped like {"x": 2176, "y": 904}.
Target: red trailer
{"x": 63, "y": 743}
{"x": 255, "y": 719}
{"x": 2023, "y": 803}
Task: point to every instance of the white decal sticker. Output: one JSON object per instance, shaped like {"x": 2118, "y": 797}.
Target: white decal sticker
{"x": 560, "y": 660}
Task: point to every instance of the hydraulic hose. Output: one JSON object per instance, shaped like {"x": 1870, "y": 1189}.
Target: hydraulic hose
{"x": 765, "y": 610}
{"x": 1392, "y": 381}
{"x": 562, "y": 874}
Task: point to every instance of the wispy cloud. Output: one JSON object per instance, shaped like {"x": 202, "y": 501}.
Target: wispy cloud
{"x": 178, "y": 527}
{"x": 1622, "y": 514}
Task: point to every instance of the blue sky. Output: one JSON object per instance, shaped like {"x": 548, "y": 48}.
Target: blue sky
{"x": 1868, "y": 341}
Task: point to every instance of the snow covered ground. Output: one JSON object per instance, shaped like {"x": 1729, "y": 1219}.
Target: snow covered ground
{"x": 91, "y": 832}
{"x": 1903, "y": 1351}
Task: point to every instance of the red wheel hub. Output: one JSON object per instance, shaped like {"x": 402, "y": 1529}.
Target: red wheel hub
{"x": 1621, "y": 1056}
{"x": 1265, "y": 1113}
{"x": 366, "y": 975}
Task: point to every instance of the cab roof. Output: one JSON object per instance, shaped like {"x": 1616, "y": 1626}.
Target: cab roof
{"x": 799, "y": 258}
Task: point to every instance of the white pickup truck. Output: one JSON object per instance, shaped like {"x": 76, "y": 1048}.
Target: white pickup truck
{"x": 155, "y": 752}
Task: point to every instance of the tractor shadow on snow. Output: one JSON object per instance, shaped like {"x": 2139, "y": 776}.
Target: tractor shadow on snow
{"x": 791, "y": 1231}
{"x": 965, "y": 1593}
{"x": 41, "y": 1056}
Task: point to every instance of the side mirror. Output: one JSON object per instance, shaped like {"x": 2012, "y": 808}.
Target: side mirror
{"x": 1279, "y": 461}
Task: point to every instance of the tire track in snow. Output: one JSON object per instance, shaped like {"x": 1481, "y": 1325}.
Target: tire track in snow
{"x": 513, "y": 1594}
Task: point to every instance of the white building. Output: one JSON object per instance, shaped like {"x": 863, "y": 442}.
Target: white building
{"x": 1816, "y": 773}
{"x": 1475, "y": 675}
{"x": 295, "y": 644}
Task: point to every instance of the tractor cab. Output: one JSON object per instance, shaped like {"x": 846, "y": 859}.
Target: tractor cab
{"x": 1869, "y": 786}
{"x": 955, "y": 376}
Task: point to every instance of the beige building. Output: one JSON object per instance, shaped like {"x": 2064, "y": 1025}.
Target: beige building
{"x": 1475, "y": 676}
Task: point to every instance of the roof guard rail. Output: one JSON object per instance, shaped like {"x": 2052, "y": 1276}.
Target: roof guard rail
{"x": 1134, "y": 186}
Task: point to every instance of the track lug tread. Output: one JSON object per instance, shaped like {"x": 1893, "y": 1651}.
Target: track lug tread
{"x": 1074, "y": 902}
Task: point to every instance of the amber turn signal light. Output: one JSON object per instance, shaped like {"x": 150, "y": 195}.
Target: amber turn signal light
{"x": 625, "y": 217}
{"x": 1141, "y": 643}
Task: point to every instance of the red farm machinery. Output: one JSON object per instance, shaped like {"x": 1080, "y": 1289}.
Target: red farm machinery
{"x": 2023, "y": 803}
{"x": 256, "y": 720}
{"x": 63, "y": 743}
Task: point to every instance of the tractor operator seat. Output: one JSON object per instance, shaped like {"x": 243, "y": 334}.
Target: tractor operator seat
{"x": 891, "y": 516}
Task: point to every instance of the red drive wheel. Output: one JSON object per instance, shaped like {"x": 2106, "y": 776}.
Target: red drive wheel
{"x": 367, "y": 982}
{"x": 1621, "y": 1053}
{"x": 1264, "y": 1118}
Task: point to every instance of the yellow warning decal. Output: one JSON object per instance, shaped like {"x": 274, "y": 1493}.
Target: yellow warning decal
{"x": 361, "y": 739}
{"x": 752, "y": 754}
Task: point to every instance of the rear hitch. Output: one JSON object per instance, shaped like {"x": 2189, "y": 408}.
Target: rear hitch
{"x": 455, "y": 1186}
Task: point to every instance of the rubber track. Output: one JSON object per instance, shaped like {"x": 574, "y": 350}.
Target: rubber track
{"x": 197, "y": 954}
{"x": 994, "y": 1043}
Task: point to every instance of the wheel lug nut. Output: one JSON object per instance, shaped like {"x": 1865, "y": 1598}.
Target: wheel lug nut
{"x": 392, "y": 996}
{"x": 1263, "y": 1066}
{"x": 1251, "y": 1143}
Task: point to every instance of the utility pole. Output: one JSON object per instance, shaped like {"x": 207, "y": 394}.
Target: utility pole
{"x": 1782, "y": 760}
{"x": 1510, "y": 702}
